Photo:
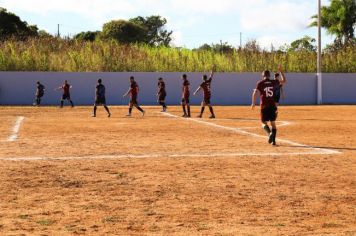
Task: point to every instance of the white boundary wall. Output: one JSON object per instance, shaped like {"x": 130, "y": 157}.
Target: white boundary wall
{"x": 18, "y": 88}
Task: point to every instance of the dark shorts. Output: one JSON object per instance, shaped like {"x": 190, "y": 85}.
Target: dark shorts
{"x": 40, "y": 95}
{"x": 277, "y": 98}
{"x": 162, "y": 96}
{"x": 185, "y": 101}
{"x": 207, "y": 100}
{"x": 66, "y": 97}
{"x": 100, "y": 101}
{"x": 133, "y": 100}
{"x": 269, "y": 113}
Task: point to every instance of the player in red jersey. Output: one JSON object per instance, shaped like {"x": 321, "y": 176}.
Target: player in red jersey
{"x": 185, "y": 96}
{"x": 206, "y": 87}
{"x": 133, "y": 91}
{"x": 161, "y": 94}
{"x": 269, "y": 112}
{"x": 66, "y": 93}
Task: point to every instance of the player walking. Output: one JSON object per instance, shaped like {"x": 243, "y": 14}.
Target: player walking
{"x": 133, "y": 91}
{"x": 185, "y": 96}
{"x": 161, "y": 94}
{"x": 269, "y": 110}
{"x": 40, "y": 88}
{"x": 206, "y": 87}
{"x": 66, "y": 93}
{"x": 100, "y": 98}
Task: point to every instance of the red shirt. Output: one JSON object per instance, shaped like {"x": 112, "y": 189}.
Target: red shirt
{"x": 206, "y": 86}
{"x": 66, "y": 88}
{"x": 134, "y": 88}
{"x": 266, "y": 88}
{"x": 185, "y": 89}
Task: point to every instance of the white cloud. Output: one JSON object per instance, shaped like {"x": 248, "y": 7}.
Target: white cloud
{"x": 270, "y": 18}
{"x": 279, "y": 17}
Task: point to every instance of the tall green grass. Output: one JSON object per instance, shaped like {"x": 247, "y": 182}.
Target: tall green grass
{"x": 75, "y": 56}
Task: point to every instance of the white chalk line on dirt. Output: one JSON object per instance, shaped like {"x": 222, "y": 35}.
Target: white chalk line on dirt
{"x": 118, "y": 157}
{"x": 15, "y": 129}
{"x": 321, "y": 151}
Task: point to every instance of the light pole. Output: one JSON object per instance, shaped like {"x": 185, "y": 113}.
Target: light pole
{"x": 319, "y": 66}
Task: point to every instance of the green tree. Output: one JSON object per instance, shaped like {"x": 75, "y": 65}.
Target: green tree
{"x": 11, "y": 26}
{"x": 87, "y": 36}
{"x": 157, "y": 35}
{"x": 304, "y": 44}
{"x": 339, "y": 19}
{"x": 124, "y": 31}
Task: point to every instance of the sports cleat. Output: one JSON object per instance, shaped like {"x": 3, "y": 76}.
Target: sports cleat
{"x": 212, "y": 117}
{"x": 128, "y": 115}
{"x": 93, "y": 115}
{"x": 199, "y": 116}
{"x": 270, "y": 139}
{"x": 274, "y": 143}
{"x": 143, "y": 113}
{"x": 184, "y": 115}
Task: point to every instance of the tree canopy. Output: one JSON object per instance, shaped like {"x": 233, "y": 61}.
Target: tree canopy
{"x": 339, "y": 19}
{"x": 11, "y": 26}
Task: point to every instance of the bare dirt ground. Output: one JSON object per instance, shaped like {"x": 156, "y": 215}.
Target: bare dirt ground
{"x": 68, "y": 173}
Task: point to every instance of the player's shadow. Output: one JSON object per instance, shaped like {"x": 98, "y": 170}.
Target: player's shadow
{"x": 326, "y": 120}
{"x": 313, "y": 147}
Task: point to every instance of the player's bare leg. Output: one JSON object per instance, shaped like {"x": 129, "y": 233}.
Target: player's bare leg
{"x": 62, "y": 103}
{"x": 212, "y": 112}
{"x": 188, "y": 108}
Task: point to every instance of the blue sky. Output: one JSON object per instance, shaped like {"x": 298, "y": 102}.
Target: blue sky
{"x": 194, "y": 22}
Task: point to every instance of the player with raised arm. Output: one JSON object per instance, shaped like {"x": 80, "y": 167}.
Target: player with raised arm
{"x": 269, "y": 110}
{"x": 161, "y": 94}
{"x": 133, "y": 91}
{"x": 278, "y": 90}
{"x": 40, "y": 88}
{"x": 185, "y": 96}
{"x": 206, "y": 87}
{"x": 66, "y": 93}
{"x": 100, "y": 98}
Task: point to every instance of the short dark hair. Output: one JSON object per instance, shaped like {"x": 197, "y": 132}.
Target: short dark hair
{"x": 99, "y": 81}
{"x": 266, "y": 74}
{"x": 205, "y": 77}
{"x": 184, "y": 76}
{"x": 160, "y": 78}
{"x": 131, "y": 77}
{"x": 276, "y": 75}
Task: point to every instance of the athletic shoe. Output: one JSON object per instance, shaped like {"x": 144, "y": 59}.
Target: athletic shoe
{"x": 143, "y": 113}
{"x": 128, "y": 115}
{"x": 274, "y": 143}
{"x": 109, "y": 114}
{"x": 212, "y": 117}
{"x": 185, "y": 115}
{"x": 270, "y": 139}
{"x": 199, "y": 116}
{"x": 93, "y": 115}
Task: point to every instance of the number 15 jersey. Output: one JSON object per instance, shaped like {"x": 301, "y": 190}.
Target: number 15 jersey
{"x": 266, "y": 88}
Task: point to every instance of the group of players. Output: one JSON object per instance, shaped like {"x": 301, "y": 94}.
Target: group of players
{"x": 269, "y": 89}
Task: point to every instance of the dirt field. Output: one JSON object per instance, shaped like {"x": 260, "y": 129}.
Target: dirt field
{"x": 63, "y": 172}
